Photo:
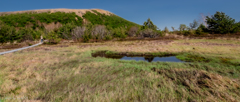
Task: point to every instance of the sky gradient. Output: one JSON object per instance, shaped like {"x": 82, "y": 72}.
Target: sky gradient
{"x": 163, "y": 13}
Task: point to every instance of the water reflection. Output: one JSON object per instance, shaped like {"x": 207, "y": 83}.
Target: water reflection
{"x": 153, "y": 59}
{"x": 138, "y": 58}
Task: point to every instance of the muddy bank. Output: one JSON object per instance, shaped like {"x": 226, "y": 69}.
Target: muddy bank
{"x": 17, "y": 45}
{"x": 130, "y": 54}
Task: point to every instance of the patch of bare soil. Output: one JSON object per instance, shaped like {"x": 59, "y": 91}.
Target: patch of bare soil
{"x": 203, "y": 83}
{"x": 62, "y": 46}
{"x": 210, "y": 44}
{"x": 40, "y": 48}
{"x": 78, "y": 12}
{"x": 17, "y": 45}
{"x": 217, "y": 36}
{"x": 148, "y": 39}
{"x": 51, "y": 26}
{"x": 216, "y": 44}
{"x": 89, "y": 45}
{"x": 161, "y": 42}
{"x": 11, "y": 46}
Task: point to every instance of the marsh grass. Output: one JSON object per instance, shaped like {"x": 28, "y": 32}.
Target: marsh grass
{"x": 57, "y": 73}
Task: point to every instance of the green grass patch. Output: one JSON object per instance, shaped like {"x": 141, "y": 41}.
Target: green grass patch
{"x": 189, "y": 57}
{"x": 1, "y": 79}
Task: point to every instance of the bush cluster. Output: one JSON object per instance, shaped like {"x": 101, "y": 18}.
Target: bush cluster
{"x": 29, "y": 26}
{"x": 35, "y": 19}
{"x": 10, "y": 34}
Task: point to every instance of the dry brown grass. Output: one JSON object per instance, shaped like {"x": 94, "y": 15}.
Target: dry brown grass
{"x": 67, "y": 72}
{"x": 227, "y": 48}
{"x": 214, "y": 85}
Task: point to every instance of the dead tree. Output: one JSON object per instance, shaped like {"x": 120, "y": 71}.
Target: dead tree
{"x": 203, "y": 19}
{"x": 78, "y": 32}
{"x": 99, "y": 32}
{"x": 132, "y": 31}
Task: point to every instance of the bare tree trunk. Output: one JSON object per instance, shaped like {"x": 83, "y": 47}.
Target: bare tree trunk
{"x": 203, "y": 19}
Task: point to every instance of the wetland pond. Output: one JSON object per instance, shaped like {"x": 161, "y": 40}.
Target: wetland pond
{"x": 168, "y": 58}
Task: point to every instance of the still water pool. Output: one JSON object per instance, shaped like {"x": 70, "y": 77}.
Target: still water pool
{"x": 153, "y": 59}
{"x": 138, "y": 58}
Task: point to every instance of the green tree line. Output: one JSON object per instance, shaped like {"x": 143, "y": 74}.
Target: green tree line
{"x": 97, "y": 26}
{"x": 219, "y": 23}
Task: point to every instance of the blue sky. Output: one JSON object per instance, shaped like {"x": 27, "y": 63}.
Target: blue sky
{"x": 162, "y": 12}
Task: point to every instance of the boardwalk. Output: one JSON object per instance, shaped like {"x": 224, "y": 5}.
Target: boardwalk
{"x": 1, "y": 53}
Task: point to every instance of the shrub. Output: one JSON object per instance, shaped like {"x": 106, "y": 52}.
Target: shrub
{"x": 132, "y": 31}
{"x": 7, "y": 34}
{"x": 119, "y": 33}
{"x": 159, "y": 33}
{"x": 166, "y": 30}
{"x": 149, "y": 33}
{"x": 86, "y": 37}
{"x": 35, "y": 30}
{"x": 108, "y": 36}
{"x": 65, "y": 31}
{"x": 25, "y": 34}
{"x": 186, "y": 33}
{"x": 201, "y": 30}
{"x": 53, "y": 38}
{"x": 182, "y": 27}
{"x": 23, "y": 19}
{"x": 37, "y": 34}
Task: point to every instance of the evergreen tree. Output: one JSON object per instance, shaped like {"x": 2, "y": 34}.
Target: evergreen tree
{"x": 166, "y": 30}
{"x": 173, "y": 28}
{"x": 182, "y": 27}
{"x": 149, "y": 24}
{"x": 194, "y": 24}
{"x": 201, "y": 29}
{"x": 220, "y": 23}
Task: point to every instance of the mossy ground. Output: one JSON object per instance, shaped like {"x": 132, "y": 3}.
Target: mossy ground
{"x": 68, "y": 72}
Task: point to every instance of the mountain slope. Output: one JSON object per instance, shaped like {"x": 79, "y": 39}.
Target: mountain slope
{"x": 31, "y": 24}
{"x": 36, "y": 17}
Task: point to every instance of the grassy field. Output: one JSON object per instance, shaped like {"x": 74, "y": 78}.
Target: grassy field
{"x": 67, "y": 72}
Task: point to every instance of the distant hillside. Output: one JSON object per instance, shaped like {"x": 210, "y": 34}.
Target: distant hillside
{"x": 38, "y": 18}
{"x": 29, "y": 25}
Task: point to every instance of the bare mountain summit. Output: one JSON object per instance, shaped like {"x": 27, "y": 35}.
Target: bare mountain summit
{"x": 78, "y": 12}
